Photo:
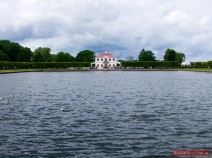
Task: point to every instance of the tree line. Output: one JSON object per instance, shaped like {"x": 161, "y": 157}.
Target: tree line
{"x": 16, "y": 56}
{"x": 170, "y": 55}
{"x": 10, "y": 51}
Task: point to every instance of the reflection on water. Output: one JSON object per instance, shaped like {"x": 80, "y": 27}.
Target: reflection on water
{"x": 104, "y": 114}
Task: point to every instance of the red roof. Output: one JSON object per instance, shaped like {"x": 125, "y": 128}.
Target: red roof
{"x": 109, "y": 55}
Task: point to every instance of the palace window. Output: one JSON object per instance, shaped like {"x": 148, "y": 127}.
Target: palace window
{"x": 113, "y": 59}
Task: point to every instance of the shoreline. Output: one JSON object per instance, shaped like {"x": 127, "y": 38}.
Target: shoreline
{"x": 78, "y": 70}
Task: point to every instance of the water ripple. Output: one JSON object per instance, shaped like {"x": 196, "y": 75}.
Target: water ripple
{"x": 113, "y": 114}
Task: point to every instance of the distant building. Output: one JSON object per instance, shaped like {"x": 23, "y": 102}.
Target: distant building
{"x": 186, "y": 64}
{"x": 105, "y": 61}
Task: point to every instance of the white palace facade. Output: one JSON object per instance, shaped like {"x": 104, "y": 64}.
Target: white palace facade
{"x": 105, "y": 61}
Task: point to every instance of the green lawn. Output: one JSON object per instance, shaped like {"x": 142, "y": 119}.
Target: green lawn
{"x": 196, "y": 69}
{"x": 19, "y": 70}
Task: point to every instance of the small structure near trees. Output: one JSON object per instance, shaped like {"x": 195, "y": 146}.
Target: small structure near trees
{"x": 185, "y": 64}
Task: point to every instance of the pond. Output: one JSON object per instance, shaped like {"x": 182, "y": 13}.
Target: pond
{"x": 104, "y": 113}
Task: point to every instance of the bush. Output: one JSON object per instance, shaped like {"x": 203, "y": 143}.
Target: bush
{"x": 43, "y": 65}
{"x": 15, "y": 65}
{"x": 201, "y": 64}
{"x": 148, "y": 64}
{"x": 59, "y": 65}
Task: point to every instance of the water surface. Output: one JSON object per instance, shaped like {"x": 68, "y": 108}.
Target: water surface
{"x": 106, "y": 114}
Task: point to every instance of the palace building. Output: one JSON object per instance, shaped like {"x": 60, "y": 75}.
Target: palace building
{"x": 105, "y": 61}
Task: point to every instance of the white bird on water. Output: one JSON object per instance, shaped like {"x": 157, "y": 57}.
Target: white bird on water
{"x": 12, "y": 95}
{"x": 62, "y": 109}
{"x": 7, "y": 102}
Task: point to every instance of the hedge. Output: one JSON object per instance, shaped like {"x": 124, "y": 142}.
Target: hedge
{"x": 148, "y": 64}
{"x": 201, "y": 64}
{"x": 124, "y": 64}
{"x": 42, "y": 65}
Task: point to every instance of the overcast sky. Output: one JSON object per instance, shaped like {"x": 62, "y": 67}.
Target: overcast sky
{"x": 122, "y": 27}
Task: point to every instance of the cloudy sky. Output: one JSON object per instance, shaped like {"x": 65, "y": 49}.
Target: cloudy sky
{"x": 122, "y": 27}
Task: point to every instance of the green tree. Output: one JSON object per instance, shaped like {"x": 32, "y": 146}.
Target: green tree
{"x": 85, "y": 56}
{"x": 146, "y": 56}
{"x": 180, "y": 57}
{"x": 15, "y": 48}
{"x": 14, "y": 51}
{"x": 53, "y": 56}
{"x": 3, "y": 57}
{"x": 63, "y": 57}
{"x": 11, "y": 49}
{"x": 42, "y": 54}
{"x": 46, "y": 54}
{"x": 170, "y": 55}
{"x": 25, "y": 55}
{"x": 37, "y": 56}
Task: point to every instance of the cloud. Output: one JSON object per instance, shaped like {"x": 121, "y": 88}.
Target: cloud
{"x": 123, "y": 27}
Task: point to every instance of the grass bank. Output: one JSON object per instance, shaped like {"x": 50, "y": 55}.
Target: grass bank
{"x": 19, "y": 71}
{"x": 41, "y": 70}
{"x": 197, "y": 69}
{"x": 71, "y": 70}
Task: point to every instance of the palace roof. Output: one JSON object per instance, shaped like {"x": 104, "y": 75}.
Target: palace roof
{"x": 102, "y": 55}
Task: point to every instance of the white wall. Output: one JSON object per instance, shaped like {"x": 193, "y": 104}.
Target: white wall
{"x": 101, "y": 63}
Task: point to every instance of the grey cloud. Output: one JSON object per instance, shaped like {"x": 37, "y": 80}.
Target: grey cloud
{"x": 123, "y": 27}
